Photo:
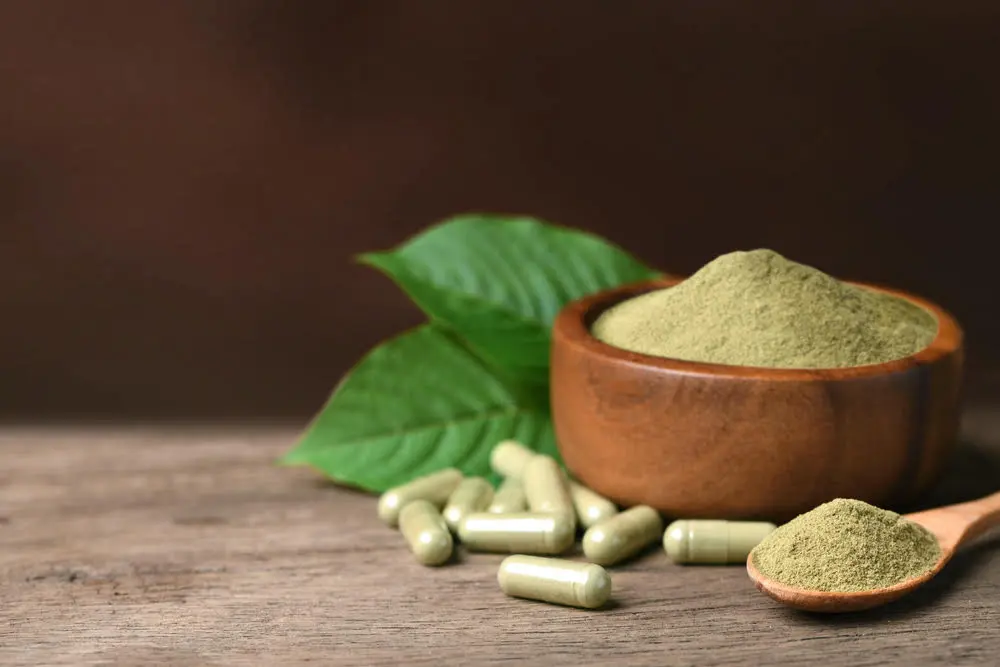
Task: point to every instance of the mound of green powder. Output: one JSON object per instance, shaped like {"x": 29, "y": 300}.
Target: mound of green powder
{"x": 846, "y": 545}
{"x": 757, "y": 308}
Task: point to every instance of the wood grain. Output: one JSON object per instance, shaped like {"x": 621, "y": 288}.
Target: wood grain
{"x": 705, "y": 440}
{"x": 186, "y": 546}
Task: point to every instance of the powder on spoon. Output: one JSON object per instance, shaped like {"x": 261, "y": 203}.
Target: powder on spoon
{"x": 757, "y": 308}
{"x": 846, "y": 545}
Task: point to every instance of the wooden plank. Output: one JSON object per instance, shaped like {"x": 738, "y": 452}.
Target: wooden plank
{"x": 186, "y": 546}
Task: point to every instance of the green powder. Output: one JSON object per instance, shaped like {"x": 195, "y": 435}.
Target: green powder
{"x": 846, "y": 545}
{"x": 757, "y": 308}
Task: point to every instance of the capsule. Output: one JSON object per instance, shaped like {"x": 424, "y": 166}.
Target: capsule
{"x": 591, "y": 508}
{"x": 520, "y": 532}
{"x": 713, "y": 541}
{"x": 555, "y": 580}
{"x": 546, "y": 489}
{"x": 622, "y": 535}
{"x": 509, "y": 498}
{"x": 434, "y": 488}
{"x": 509, "y": 458}
{"x": 473, "y": 494}
{"x": 426, "y": 532}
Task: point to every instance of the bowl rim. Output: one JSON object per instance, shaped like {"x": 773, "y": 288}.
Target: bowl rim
{"x": 570, "y": 328}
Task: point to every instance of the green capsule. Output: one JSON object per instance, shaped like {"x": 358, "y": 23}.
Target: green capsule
{"x": 520, "y": 532}
{"x": 426, "y": 532}
{"x": 473, "y": 494}
{"x": 591, "y": 508}
{"x": 509, "y": 498}
{"x": 555, "y": 580}
{"x": 509, "y": 458}
{"x": 546, "y": 488}
{"x": 434, "y": 488}
{"x": 623, "y": 535}
{"x": 713, "y": 541}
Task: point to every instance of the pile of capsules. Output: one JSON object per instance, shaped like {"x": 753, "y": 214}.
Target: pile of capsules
{"x": 535, "y": 513}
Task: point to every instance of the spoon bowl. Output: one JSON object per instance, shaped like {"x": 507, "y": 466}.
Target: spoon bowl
{"x": 953, "y": 526}
{"x": 839, "y": 602}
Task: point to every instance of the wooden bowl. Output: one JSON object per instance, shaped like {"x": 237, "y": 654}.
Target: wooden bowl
{"x": 699, "y": 440}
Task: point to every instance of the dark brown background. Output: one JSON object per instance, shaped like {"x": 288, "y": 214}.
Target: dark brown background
{"x": 182, "y": 184}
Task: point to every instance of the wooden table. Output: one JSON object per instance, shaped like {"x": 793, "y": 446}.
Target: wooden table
{"x": 186, "y": 546}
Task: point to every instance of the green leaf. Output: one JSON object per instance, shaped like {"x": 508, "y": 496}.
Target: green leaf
{"x": 415, "y": 404}
{"x": 499, "y": 282}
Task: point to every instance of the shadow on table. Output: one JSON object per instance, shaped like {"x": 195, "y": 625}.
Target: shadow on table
{"x": 327, "y": 483}
{"x": 974, "y": 472}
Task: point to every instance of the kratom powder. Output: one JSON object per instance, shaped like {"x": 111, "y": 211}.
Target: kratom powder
{"x": 846, "y": 545}
{"x": 757, "y": 308}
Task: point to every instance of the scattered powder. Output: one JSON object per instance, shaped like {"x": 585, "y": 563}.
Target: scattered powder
{"x": 846, "y": 545}
{"x": 757, "y": 308}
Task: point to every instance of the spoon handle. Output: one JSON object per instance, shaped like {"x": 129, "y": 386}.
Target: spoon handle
{"x": 956, "y": 524}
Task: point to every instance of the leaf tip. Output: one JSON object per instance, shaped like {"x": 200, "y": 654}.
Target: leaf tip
{"x": 373, "y": 258}
{"x": 292, "y": 457}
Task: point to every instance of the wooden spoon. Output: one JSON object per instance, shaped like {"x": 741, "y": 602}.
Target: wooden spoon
{"x": 953, "y": 526}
